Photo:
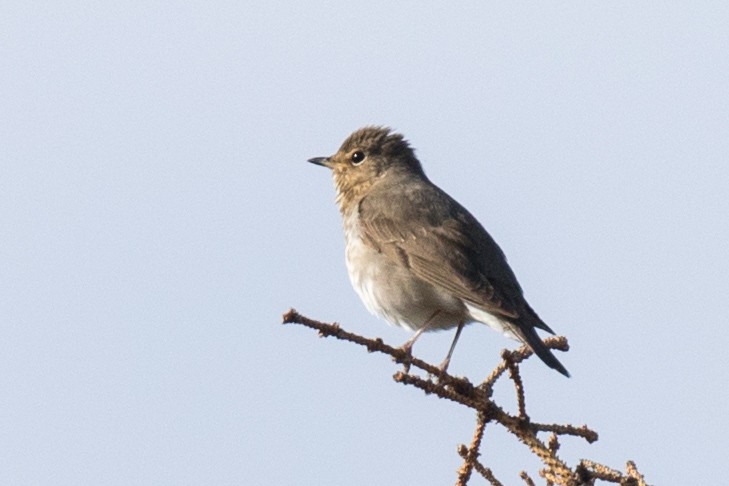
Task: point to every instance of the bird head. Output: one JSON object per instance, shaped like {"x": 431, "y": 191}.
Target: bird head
{"x": 364, "y": 158}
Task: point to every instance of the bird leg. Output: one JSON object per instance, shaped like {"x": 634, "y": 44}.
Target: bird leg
{"x": 408, "y": 346}
{"x": 444, "y": 365}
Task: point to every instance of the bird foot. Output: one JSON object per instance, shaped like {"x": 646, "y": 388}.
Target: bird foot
{"x": 407, "y": 348}
{"x": 443, "y": 369}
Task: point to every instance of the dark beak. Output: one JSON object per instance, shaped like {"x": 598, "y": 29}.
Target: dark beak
{"x": 324, "y": 161}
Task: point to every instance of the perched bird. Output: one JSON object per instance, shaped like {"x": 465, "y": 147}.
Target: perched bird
{"x": 414, "y": 255}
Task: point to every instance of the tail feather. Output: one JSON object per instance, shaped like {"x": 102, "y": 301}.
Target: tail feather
{"x": 529, "y": 336}
{"x": 536, "y": 320}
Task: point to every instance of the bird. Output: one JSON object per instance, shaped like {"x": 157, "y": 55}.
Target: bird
{"x": 415, "y": 256}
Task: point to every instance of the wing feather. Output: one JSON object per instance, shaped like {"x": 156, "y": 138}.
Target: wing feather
{"x": 444, "y": 245}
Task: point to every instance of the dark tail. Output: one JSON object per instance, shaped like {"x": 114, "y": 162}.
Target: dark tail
{"x": 530, "y": 337}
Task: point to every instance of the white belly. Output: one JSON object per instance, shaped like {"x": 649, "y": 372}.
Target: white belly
{"x": 390, "y": 290}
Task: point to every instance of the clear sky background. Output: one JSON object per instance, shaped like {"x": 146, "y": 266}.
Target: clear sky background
{"x": 158, "y": 216}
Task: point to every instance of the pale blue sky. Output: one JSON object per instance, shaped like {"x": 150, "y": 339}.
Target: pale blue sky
{"x": 158, "y": 216}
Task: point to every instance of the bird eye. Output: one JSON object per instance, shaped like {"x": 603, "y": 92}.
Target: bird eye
{"x": 358, "y": 157}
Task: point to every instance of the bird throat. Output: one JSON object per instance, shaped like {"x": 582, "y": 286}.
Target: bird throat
{"x": 349, "y": 194}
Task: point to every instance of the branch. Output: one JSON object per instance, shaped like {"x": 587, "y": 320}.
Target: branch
{"x": 479, "y": 398}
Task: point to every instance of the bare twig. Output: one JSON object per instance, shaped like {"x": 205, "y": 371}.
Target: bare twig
{"x": 479, "y": 398}
{"x": 518, "y": 385}
{"x": 527, "y": 479}
{"x": 372, "y": 345}
{"x": 471, "y": 453}
{"x": 485, "y": 472}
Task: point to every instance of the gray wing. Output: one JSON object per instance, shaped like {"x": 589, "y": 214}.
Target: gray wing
{"x": 423, "y": 228}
